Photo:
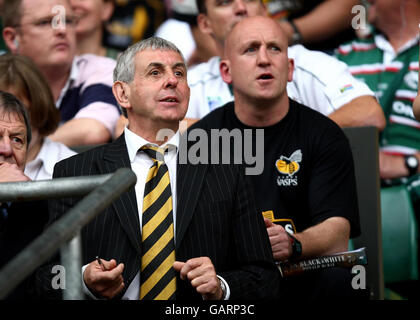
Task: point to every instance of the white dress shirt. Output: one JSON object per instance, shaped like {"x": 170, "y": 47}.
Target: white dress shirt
{"x": 51, "y": 152}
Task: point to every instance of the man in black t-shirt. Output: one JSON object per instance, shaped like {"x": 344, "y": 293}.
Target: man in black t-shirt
{"x": 307, "y": 186}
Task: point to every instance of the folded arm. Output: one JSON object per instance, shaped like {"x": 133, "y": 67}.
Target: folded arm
{"x": 361, "y": 111}
{"x": 81, "y": 131}
{"x": 324, "y": 21}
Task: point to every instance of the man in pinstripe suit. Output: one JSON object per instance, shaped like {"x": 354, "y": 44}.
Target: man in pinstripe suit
{"x": 221, "y": 245}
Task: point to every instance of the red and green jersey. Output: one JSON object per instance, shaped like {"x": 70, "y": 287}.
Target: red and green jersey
{"x": 394, "y": 79}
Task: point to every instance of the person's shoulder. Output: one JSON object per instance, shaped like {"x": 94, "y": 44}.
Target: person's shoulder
{"x": 94, "y": 70}
{"x": 214, "y": 119}
{"x": 58, "y": 148}
{"x": 95, "y": 59}
{"x": 89, "y": 155}
{"x": 314, "y": 120}
{"x": 316, "y": 63}
{"x": 91, "y": 63}
{"x": 309, "y": 113}
{"x": 204, "y": 71}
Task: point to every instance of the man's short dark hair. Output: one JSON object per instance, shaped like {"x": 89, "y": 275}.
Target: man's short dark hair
{"x": 12, "y": 13}
{"x": 11, "y": 105}
{"x": 201, "y": 6}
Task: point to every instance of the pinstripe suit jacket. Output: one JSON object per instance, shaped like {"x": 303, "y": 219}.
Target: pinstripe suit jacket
{"x": 216, "y": 217}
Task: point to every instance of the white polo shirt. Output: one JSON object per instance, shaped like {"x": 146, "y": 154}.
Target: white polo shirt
{"x": 320, "y": 82}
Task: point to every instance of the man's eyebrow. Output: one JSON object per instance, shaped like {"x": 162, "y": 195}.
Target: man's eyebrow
{"x": 250, "y": 43}
{"x": 155, "y": 65}
{"x": 162, "y": 66}
{"x": 18, "y": 133}
{"x": 19, "y": 130}
{"x": 179, "y": 65}
{"x": 45, "y": 17}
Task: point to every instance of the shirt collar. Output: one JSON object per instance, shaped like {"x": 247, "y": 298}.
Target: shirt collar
{"x": 383, "y": 44}
{"x": 42, "y": 157}
{"x": 134, "y": 142}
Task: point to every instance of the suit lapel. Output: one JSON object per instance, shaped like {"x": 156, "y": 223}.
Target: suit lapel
{"x": 190, "y": 180}
{"x": 115, "y": 157}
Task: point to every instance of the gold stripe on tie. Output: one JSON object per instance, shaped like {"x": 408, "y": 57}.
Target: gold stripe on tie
{"x": 150, "y": 198}
{"x": 153, "y": 251}
{"x": 169, "y": 290}
{"x": 157, "y": 218}
{"x": 151, "y": 282}
{"x": 157, "y": 276}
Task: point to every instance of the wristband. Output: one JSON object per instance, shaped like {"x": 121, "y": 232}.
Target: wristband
{"x": 296, "y": 247}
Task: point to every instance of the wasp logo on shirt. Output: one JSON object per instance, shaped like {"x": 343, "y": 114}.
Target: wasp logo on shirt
{"x": 288, "y": 167}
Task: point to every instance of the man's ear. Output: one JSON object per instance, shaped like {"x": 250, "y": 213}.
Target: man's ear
{"x": 121, "y": 93}
{"x": 11, "y": 39}
{"x": 107, "y": 10}
{"x": 204, "y": 24}
{"x": 225, "y": 71}
{"x": 291, "y": 70}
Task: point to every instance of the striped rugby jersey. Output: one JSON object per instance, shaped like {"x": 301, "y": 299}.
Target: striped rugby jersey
{"x": 88, "y": 91}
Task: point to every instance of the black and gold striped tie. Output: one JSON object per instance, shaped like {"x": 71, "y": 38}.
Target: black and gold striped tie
{"x": 157, "y": 276}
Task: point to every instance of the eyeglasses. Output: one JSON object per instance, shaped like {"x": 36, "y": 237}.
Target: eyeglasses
{"x": 54, "y": 22}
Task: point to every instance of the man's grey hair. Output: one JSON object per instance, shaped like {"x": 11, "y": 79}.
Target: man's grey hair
{"x": 125, "y": 68}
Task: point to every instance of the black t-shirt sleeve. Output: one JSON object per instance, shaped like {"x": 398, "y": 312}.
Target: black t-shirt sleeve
{"x": 332, "y": 186}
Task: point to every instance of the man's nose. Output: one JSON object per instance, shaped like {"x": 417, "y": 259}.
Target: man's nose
{"x": 262, "y": 56}
{"x": 240, "y": 8}
{"x": 62, "y": 25}
{"x": 60, "y": 29}
{"x": 5, "y": 147}
{"x": 171, "y": 81}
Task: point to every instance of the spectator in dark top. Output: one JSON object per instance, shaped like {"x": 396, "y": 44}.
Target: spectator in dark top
{"x": 305, "y": 188}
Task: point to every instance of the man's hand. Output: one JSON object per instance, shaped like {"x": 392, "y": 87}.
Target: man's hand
{"x": 106, "y": 280}
{"x": 202, "y": 276}
{"x": 279, "y": 240}
{"x": 11, "y": 173}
